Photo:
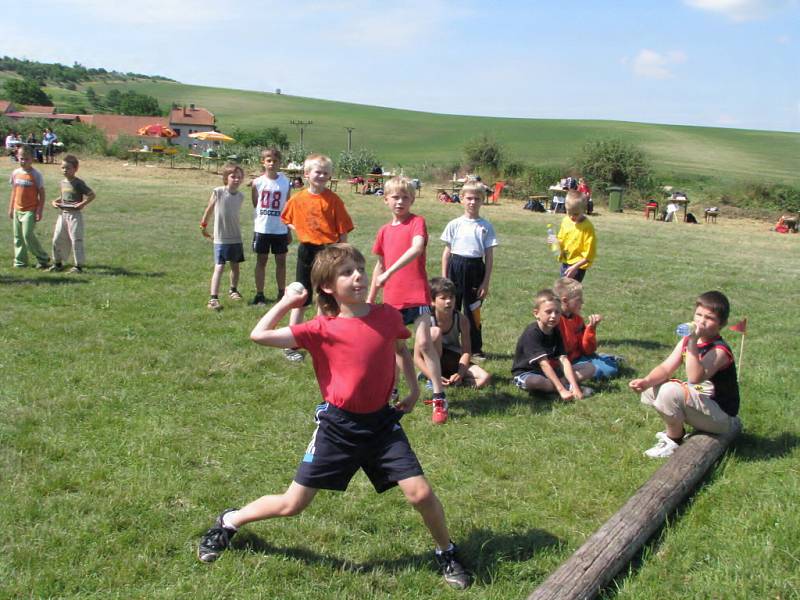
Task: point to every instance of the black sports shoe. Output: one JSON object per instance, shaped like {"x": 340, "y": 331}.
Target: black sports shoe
{"x": 259, "y": 300}
{"x": 215, "y": 540}
{"x": 453, "y": 571}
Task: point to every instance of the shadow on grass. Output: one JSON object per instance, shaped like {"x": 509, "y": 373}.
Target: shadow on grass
{"x": 754, "y": 447}
{"x": 121, "y": 271}
{"x": 644, "y": 344}
{"x": 493, "y": 401}
{"x": 481, "y": 550}
{"x": 48, "y": 280}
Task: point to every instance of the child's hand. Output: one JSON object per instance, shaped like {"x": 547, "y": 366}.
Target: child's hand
{"x": 406, "y": 405}
{"x": 566, "y": 395}
{"x": 293, "y": 297}
{"x": 56, "y": 204}
{"x": 454, "y": 379}
{"x": 205, "y": 233}
{"x": 382, "y": 279}
{"x": 594, "y": 320}
{"x": 638, "y": 385}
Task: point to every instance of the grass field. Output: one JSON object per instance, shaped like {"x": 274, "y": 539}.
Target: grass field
{"x": 131, "y": 415}
{"x": 409, "y": 138}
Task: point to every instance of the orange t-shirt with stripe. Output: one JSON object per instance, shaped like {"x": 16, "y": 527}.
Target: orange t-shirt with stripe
{"x": 25, "y": 187}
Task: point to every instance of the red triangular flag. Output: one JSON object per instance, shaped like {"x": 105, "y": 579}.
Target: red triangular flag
{"x": 740, "y": 327}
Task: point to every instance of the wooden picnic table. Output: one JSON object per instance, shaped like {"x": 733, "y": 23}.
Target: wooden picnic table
{"x": 140, "y": 153}
{"x": 215, "y": 160}
{"x": 450, "y": 189}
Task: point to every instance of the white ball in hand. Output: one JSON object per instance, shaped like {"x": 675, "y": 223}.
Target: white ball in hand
{"x": 296, "y": 287}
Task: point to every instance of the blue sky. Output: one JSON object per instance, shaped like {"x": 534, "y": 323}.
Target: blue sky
{"x": 730, "y": 63}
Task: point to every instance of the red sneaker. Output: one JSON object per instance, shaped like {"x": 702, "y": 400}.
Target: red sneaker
{"x": 439, "y": 416}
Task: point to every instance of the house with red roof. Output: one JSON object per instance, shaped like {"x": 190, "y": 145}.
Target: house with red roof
{"x": 190, "y": 119}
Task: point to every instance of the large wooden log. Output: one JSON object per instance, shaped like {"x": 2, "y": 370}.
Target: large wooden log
{"x": 613, "y": 546}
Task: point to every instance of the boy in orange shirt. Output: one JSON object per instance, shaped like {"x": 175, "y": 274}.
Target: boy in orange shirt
{"x": 25, "y": 206}
{"x": 580, "y": 338}
{"x": 318, "y": 218}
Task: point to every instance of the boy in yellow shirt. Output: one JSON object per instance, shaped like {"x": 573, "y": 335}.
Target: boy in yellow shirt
{"x": 576, "y": 238}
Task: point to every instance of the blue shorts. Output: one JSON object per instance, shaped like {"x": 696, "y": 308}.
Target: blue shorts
{"x": 579, "y": 274}
{"x": 266, "y": 243}
{"x": 233, "y": 253}
{"x": 344, "y": 441}
{"x": 412, "y": 313}
{"x": 519, "y": 379}
{"x": 605, "y": 365}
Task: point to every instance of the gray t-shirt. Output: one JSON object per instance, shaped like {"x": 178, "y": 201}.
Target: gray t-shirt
{"x": 226, "y": 216}
{"x": 469, "y": 237}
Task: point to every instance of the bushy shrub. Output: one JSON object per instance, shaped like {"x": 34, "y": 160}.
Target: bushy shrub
{"x": 263, "y": 138}
{"x": 784, "y": 198}
{"x": 119, "y": 148}
{"x": 614, "y": 162}
{"x": 483, "y": 151}
{"x": 296, "y": 154}
{"x": 356, "y": 162}
{"x": 80, "y": 137}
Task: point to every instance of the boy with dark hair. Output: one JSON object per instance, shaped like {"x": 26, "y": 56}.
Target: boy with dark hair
{"x": 709, "y": 398}
{"x": 354, "y": 346}
{"x": 68, "y": 232}
{"x": 269, "y": 194}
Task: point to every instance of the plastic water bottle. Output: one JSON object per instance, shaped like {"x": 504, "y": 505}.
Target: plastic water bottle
{"x": 554, "y": 247}
{"x": 685, "y": 329}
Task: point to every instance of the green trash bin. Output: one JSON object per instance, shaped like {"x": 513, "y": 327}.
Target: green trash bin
{"x": 615, "y": 198}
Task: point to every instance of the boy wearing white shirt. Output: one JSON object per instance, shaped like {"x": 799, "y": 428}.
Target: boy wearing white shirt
{"x": 468, "y": 259}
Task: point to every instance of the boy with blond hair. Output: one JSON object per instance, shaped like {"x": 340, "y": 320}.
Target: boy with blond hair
{"x": 580, "y": 338}
{"x": 400, "y": 272}
{"x": 468, "y": 259}
{"x": 576, "y": 238}
{"x": 68, "y": 232}
{"x": 540, "y": 360}
{"x": 269, "y": 194}
{"x": 355, "y": 346}
{"x": 318, "y": 218}
{"x": 25, "y": 207}
{"x": 708, "y": 399}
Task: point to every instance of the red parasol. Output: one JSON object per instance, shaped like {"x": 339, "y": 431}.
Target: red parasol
{"x": 157, "y": 130}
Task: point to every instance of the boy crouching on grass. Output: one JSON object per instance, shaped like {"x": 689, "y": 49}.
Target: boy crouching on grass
{"x": 225, "y": 203}
{"x": 540, "y": 361}
{"x": 354, "y": 346}
{"x": 450, "y": 334}
{"x": 709, "y": 398}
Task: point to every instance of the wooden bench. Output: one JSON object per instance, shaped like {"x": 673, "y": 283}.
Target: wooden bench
{"x": 711, "y": 214}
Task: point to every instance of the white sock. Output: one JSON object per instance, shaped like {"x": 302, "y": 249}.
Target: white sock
{"x": 450, "y": 548}
{"x": 226, "y": 520}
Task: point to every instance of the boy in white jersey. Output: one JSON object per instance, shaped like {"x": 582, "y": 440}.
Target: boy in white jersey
{"x": 269, "y": 195}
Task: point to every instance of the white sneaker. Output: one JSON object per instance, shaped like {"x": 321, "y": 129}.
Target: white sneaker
{"x": 661, "y": 435}
{"x": 293, "y": 355}
{"x": 663, "y": 449}
{"x": 586, "y": 391}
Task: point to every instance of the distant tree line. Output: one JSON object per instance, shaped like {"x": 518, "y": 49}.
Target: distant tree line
{"x": 65, "y": 76}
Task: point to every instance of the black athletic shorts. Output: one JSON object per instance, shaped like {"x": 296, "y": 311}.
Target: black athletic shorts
{"x": 306, "y": 253}
{"x": 274, "y": 243}
{"x": 344, "y": 442}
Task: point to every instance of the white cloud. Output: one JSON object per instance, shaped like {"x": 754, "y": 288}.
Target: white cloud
{"x": 653, "y": 65}
{"x": 743, "y": 10}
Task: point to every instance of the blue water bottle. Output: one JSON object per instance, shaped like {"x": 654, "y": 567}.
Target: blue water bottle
{"x": 685, "y": 329}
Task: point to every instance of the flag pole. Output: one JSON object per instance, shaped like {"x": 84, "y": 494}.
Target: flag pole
{"x": 741, "y": 353}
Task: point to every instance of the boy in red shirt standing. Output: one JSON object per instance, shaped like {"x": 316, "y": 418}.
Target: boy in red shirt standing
{"x": 400, "y": 271}
{"x": 354, "y": 346}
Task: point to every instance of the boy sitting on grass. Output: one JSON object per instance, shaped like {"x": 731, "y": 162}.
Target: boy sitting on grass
{"x": 450, "y": 335}
{"x": 709, "y": 398}
{"x": 580, "y": 339}
{"x": 354, "y": 346}
{"x": 540, "y": 361}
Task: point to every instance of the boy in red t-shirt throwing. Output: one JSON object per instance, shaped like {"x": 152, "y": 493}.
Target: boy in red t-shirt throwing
{"x": 400, "y": 271}
{"x": 354, "y": 346}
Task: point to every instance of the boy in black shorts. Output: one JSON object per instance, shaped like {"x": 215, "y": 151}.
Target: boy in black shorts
{"x": 354, "y": 346}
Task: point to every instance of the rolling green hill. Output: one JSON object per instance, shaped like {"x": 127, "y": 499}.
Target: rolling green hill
{"x": 402, "y": 137}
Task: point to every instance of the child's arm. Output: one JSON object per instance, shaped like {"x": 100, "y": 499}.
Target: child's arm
{"x": 207, "y": 214}
{"x": 373, "y": 284}
{"x": 445, "y": 259}
{"x": 698, "y": 369}
{"x": 253, "y": 194}
{"x": 416, "y": 249}
{"x": 406, "y": 405}
{"x": 587, "y": 250}
{"x": 88, "y": 197}
{"x": 264, "y": 332}
{"x": 40, "y": 197}
{"x": 569, "y": 374}
{"x": 548, "y": 371}
{"x": 660, "y": 373}
{"x": 11, "y": 204}
{"x": 488, "y": 258}
{"x": 589, "y": 339}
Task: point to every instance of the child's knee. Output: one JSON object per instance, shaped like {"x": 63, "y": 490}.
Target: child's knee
{"x": 420, "y": 494}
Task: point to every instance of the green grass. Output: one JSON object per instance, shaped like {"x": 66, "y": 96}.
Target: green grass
{"x": 132, "y": 415}
{"x": 402, "y": 137}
